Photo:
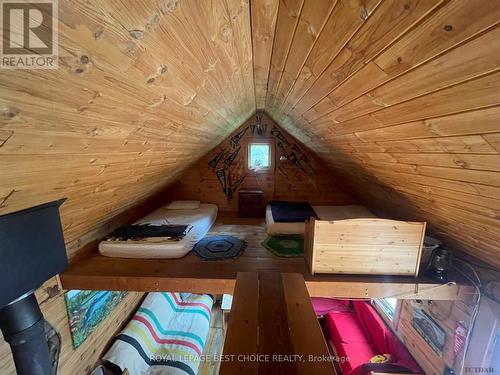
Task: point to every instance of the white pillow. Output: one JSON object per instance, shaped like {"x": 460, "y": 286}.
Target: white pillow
{"x": 184, "y": 205}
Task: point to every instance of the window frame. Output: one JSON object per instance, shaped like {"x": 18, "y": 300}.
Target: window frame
{"x": 393, "y": 323}
{"x": 270, "y": 168}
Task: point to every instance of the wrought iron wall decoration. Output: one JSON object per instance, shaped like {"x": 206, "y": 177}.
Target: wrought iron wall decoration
{"x": 217, "y": 158}
{"x": 228, "y": 161}
{"x": 232, "y": 187}
{"x": 291, "y": 152}
{"x": 225, "y": 168}
{"x": 295, "y": 160}
{"x": 275, "y": 132}
{"x": 228, "y": 165}
{"x": 235, "y": 139}
{"x": 258, "y": 128}
{"x": 221, "y": 176}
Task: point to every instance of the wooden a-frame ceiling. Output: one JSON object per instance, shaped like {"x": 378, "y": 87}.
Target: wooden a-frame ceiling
{"x": 401, "y": 97}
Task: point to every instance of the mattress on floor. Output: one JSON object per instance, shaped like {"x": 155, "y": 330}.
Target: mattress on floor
{"x": 323, "y": 212}
{"x": 200, "y": 221}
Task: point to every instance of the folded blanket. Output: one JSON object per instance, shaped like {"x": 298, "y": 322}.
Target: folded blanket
{"x": 127, "y": 232}
{"x": 291, "y": 212}
{"x": 167, "y": 335}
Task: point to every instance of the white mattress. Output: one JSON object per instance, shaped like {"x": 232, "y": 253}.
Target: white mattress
{"x": 200, "y": 219}
{"x": 323, "y": 212}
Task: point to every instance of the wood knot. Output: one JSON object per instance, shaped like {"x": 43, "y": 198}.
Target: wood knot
{"x": 131, "y": 49}
{"x": 52, "y": 291}
{"x": 225, "y": 32}
{"x": 79, "y": 70}
{"x": 400, "y": 60}
{"x": 153, "y": 22}
{"x": 363, "y": 13}
{"x": 170, "y": 5}
{"x": 84, "y": 59}
{"x": 98, "y": 33}
{"x": 10, "y": 113}
{"x": 93, "y": 132}
{"x": 448, "y": 28}
{"x": 150, "y": 80}
{"x": 136, "y": 34}
{"x": 265, "y": 37}
{"x": 162, "y": 69}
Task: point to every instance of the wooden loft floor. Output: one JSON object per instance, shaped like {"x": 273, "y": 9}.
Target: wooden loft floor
{"x": 192, "y": 274}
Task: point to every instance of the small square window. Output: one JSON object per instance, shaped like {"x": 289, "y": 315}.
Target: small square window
{"x": 259, "y": 156}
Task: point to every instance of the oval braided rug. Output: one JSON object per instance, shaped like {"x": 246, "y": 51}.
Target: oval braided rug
{"x": 219, "y": 247}
{"x": 285, "y": 245}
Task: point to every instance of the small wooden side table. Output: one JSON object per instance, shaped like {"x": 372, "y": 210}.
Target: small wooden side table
{"x": 250, "y": 203}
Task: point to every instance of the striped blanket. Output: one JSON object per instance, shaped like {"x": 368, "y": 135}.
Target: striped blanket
{"x": 167, "y": 335}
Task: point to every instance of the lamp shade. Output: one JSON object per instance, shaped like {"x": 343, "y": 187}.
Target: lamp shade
{"x": 32, "y": 249}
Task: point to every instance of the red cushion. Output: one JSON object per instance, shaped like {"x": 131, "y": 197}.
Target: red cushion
{"x": 353, "y": 355}
{"x": 362, "y": 334}
{"x": 373, "y": 325}
{"x": 384, "y": 341}
{"x": 345, "y": 327}
{"x": 401, "y": 356}
{"x": 323, "y": 305}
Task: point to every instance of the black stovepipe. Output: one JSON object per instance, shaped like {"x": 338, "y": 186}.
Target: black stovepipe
{"x": 22, "y": 325}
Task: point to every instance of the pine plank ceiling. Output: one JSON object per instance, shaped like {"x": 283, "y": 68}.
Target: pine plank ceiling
{"x": 401, "y": 97}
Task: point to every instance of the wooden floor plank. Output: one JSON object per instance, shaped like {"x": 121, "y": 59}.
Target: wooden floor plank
{"x": 210, "y": 364}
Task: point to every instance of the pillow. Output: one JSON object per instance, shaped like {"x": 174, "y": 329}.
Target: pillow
{"x": 381, "y": 358}
{"x": 184, "y": 205}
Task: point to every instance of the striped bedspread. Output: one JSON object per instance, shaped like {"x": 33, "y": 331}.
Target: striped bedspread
{"x": 167, "y": 335}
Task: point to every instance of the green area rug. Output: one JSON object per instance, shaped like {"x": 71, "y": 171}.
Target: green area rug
{"x": 287, "y": 245}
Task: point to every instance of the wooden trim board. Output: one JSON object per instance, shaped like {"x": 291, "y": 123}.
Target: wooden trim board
{"x": 97, "y": 273}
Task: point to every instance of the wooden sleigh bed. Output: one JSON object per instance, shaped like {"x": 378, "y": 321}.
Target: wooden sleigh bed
{"x": 349, "y": 239}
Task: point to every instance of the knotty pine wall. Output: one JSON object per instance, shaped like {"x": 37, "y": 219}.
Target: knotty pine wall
{"x": 317, "y": 184}
{"x": 401, "y": 97}
{"x": 143, "y": 89}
